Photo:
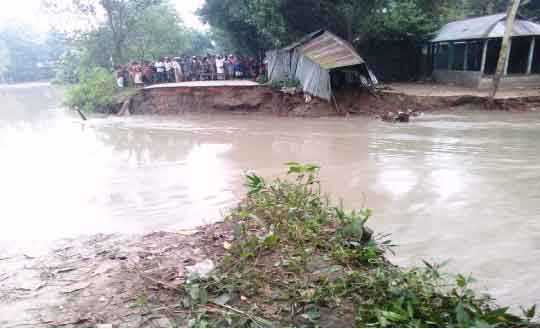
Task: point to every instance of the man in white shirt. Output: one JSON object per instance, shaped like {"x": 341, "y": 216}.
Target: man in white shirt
{"x": 160, "y": 70}
{"x": 178, "y": 73}
{"x": 220, "y": 68}
{"x": 169, "y": 71}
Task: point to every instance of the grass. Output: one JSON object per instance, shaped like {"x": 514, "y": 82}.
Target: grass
{"x": 299, "y": 261}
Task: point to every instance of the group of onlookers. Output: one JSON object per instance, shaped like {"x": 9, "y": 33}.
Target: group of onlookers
{"x": 185, "y": 68}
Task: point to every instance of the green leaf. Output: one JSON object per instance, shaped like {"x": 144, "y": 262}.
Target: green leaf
{"x": 530, "y": 313}
{"x": 392, "y": 316}
{"x": 263, "y": 322}
{"x": 194, "y": 292}
{"x": 461, "y": 315}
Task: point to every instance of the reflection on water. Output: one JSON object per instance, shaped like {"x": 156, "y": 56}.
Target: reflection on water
{"x": 459, "y": 187}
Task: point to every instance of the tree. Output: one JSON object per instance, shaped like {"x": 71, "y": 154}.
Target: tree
{"x": 24, "y": 55}
{"x": 119, "y": 17}
{"x": 486, "y": 7}
{"x": 504, "y": 52}
{"x": 403, "y": 20}
{"x": 4, "y": 61}
{"x": 158, "y": 33}
{"x": 255, "y": 25}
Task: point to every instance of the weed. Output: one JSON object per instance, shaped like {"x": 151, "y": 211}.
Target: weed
{"x": 296, "y": 260}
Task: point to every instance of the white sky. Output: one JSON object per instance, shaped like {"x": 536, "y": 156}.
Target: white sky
{"x": 28, "y": 11}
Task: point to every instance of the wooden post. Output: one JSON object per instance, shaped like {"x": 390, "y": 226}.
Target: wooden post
{"x": 507, "y": 57}
{"x": 503, "y": 55}
{"x": 484, "y": 56}
{"x": 531, "y": 54}
{"x": 466, "y": 57}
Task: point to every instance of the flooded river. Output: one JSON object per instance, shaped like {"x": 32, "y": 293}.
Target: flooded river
{"x": 459, "y": 187}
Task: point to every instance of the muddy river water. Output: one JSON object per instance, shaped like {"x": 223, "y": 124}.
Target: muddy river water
{"x": 463, "y": 187}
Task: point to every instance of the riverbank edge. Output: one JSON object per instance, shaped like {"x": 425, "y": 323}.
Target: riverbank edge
{"x": 265, "y": 100}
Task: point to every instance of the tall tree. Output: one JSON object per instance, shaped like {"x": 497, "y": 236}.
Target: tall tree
{"x": 120, "y": 17}
{"x": 24, "y": 53}
{"x": 264, "y": 24}
{"x": 504, "y": 52}
{"x": 159, "y": 32}
{"x": 4, "y": 61}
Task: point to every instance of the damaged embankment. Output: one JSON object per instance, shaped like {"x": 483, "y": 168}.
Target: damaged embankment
{"x": 285, "y": 257}
{"x": 210, "y": 99}
{"x": 169, "y": 100}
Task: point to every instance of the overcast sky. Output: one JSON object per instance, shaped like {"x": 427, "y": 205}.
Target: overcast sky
{"x": 28, "y": 11}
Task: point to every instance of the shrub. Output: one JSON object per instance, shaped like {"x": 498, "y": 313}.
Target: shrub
{"x": 298, "y": 261}
{"x": 95, "y": 91}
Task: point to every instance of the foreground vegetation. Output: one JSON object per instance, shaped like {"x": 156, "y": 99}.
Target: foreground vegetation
{"x": 296, "y": 260}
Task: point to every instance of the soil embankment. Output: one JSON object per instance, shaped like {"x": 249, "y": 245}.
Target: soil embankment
{"x": 253, "y": 98}
{"x": 232, "y": 99}
{"x": 103, "y": 280}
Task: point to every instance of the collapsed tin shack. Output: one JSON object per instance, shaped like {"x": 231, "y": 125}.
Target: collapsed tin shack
{"x": 320, "y": 61}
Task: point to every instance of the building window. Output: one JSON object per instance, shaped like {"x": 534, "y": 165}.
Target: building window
{"x": 442, "y": 57}
{"x": 519, "y": 55}
{"x": 474, "y": 55}
{"x": 459, "y": 56}
{"x": 492, "y": 56}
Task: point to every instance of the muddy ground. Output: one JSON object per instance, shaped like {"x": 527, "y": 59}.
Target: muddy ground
{"x": 105, "y": 280}
{"x": 264, "y": 100}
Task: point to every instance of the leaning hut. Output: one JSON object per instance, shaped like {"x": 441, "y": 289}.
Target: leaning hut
{"x": 313, "y": 61}
{"x": 466, "y": 52}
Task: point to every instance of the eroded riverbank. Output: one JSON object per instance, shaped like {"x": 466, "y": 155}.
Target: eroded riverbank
{"x": 455, "y": 185}
{"x": 247, "y": 97}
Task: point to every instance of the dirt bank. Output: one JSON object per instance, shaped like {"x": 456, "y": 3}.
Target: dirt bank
{"x": 264, "y": 100}
{"x": 234, "y": 99}
{"x": 103, "y": 280}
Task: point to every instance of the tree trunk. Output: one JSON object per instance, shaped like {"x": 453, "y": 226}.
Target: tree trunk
{"x": 504, "y": 54}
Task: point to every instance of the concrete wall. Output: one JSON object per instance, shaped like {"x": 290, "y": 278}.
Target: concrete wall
{"x": 513, "y": 81}
{"x": 469, "y": 79}
{"x": 473, "y": 79}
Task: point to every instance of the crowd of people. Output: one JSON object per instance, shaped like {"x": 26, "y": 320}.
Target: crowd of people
{"x": 185, "y": 68}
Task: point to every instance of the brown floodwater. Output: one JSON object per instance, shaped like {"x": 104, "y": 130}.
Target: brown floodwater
{"x": 459, "y": 186}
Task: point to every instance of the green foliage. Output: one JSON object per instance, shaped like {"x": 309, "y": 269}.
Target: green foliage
{"x": 4, "y": 60}
{"x": 403, "y": 20}
{"x": 296, "y": 260}
{"x": 24, "y": 57}
{"x": 159, "y": 32}
{"x": 95, "y": 91}
{"x": 134, "y": 30}
{"x": 255, "y": 25}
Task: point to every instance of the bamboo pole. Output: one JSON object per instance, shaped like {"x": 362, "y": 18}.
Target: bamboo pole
{"x": 504, "y": 53}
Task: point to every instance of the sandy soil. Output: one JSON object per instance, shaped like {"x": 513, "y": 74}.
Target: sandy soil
{"x": 104, "y": 280}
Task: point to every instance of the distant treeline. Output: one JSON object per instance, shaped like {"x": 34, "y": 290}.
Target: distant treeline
{"x": 24, "y": 56}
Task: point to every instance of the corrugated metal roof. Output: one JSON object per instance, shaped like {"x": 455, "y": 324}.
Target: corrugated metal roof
{"x": 492, "y": 26}
{"x": 303, "y": 40}
{"x": 521, "y": 28}
{"x": 330, "y": 51}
